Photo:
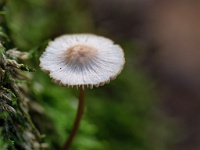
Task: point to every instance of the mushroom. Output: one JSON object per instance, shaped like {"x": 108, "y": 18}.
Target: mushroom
{"x": 84, "y": 61}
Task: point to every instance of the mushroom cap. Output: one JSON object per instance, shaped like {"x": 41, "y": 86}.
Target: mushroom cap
{"x": 82, "y": 60}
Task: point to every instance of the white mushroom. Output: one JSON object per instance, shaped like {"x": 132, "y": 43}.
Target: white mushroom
{"x": 82, "y": 60}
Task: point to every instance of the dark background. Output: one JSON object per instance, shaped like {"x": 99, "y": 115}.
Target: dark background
{"x": 152, "y": 105}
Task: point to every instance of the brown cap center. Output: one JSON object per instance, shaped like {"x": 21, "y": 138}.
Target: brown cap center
{"x": 80, "y": 54}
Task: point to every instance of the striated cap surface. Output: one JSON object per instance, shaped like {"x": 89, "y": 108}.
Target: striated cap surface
{"x": 82, "y": 60}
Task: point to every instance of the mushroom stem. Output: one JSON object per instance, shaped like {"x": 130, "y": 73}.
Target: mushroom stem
{"x": 79, "y": 114}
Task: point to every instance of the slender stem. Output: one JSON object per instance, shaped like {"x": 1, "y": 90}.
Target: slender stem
{"x": 79, "y": 114}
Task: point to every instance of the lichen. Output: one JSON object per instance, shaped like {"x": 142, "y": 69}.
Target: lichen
{"x": 17, "y": 129}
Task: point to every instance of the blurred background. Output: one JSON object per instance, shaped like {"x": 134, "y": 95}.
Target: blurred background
{"x": 152, "y": 105}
